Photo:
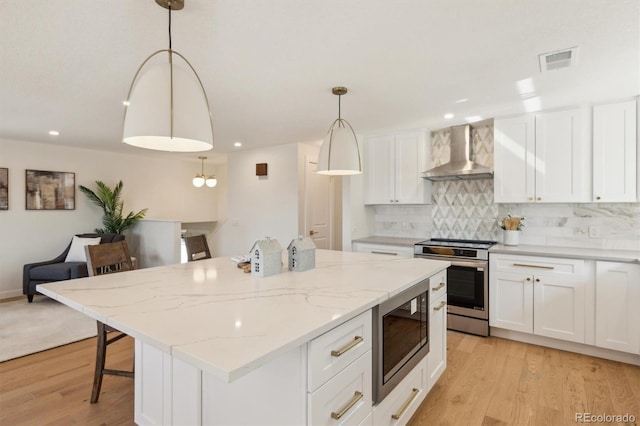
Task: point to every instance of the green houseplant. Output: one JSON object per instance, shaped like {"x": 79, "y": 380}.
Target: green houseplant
{"x": 109, "y": 200}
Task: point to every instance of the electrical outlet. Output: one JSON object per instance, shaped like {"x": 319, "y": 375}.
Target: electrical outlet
{"x": 594, "y": 231}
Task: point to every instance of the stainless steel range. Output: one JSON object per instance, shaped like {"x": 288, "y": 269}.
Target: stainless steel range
{"x": 467, "y": 281}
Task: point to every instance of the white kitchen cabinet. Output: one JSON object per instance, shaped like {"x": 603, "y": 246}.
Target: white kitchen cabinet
{"x": 539, "y": 295}
{"x": 542, "y": 157}
{"x": 393, "y": 167}
{"x": 344, "y": 399}
{"x": 614, "y": 152}
{"x": 617, "y": 301}
{"x": 437, "y": 358}
{"x": 389, "y": 249}
{"x": 404, "y": 400}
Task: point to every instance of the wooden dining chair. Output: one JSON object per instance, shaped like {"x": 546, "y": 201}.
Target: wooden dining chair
{"x": 197, "y": 248}
{"x": 107, "y": 259}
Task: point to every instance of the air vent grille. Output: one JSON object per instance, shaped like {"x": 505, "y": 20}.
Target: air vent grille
{"x": 558, "y": 59}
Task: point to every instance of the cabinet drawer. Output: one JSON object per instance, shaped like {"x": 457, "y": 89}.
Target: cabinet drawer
{"x": 437, "y": 285}
{"x": 346, "y": 399}
{"x": 403, "y": 401}
{"x": 334, "y": 350}
{"x": 539, "y": 266}
{"x": 400, "y": 251}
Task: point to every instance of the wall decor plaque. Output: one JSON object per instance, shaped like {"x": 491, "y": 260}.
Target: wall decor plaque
{"x": 47, "y": 190}
{"x": 4, "y": 188}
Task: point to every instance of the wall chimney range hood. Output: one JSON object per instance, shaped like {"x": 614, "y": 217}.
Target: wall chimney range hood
{"x": 460, "y": 166}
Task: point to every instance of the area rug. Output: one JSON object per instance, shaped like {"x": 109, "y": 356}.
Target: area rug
{"x": 26, "y": 328}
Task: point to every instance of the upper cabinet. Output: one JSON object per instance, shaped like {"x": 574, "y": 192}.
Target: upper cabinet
{"x": 614, "y": 152}
{"x": 542, "y": 157}
{"x": 392, "y": 167}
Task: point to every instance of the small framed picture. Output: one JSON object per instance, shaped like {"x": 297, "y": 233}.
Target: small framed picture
{"x": 4, "y": 188}
{"x": 50, "y": 190}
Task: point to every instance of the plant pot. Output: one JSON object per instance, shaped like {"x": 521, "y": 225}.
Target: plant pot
{"x": 511, "y": 238}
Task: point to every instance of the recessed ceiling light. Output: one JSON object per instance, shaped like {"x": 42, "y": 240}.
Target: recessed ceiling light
{"x": 459, "y": 101}
{"x": 448, "y": 116}
{"x": 237, "y": 144}
{"x": 54, "y": 132}
{"x": 125, "y": 103}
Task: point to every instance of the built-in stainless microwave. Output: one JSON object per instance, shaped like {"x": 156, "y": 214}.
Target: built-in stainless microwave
{"x": 400, "y": 337}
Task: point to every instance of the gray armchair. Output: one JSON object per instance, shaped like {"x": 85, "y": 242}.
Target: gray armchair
{"x": 57, "y": 269}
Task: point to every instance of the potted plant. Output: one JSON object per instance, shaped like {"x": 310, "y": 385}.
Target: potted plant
{"x": 109, "y": 200}
{"x": 511, "y": 225}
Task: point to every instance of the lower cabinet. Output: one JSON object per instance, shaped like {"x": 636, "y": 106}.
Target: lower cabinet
{"x": 617, "y": 300}
{"x": 539, "y": 295}
{"x": 403, "y": 401}
{"x": 344, "y": 399}
{"x": 437, "y": 358}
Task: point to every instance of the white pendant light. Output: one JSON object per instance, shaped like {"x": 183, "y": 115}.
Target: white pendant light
{"x": 167, "y": 108}
{"x": 201, "y": 179}
{"x": 339, "y": 153}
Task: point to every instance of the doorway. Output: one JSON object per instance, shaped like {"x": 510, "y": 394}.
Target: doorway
{"x": 322, "y": 207}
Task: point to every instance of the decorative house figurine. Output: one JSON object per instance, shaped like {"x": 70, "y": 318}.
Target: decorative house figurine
{"x": 266, "y": 258}
{"x": 302, "y": 254}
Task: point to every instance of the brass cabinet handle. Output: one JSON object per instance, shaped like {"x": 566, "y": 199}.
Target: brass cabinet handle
{"x": 312, "y": 232}
{"x": 351, "y": 345}
{"x": 439, "y": 287}
{"x": 406, "y": 404}
{"x": 384, "y": 252}
{"x": 440, "y": 306}
{"x": 528, "y": 278}
{"x": 524, "y": 265}
{"x": 539, "y": 198}
{"x": 530, "y": 198}
{"x": 598, "y": 197}
{"x": 357, "y": 396}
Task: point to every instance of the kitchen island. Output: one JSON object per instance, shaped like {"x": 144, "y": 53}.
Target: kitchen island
{"x": 217, "y": 346}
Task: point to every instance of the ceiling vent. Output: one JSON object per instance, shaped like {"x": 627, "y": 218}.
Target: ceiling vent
{"x": 558, "y": 59}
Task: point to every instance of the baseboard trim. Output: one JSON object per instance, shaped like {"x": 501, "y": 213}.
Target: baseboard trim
{"x": 566, "y": 346}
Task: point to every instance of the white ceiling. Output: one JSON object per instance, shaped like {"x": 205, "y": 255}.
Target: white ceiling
{"x": 268, "y": 65}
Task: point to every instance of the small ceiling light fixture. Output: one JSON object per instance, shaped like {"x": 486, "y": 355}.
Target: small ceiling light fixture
{"x": 237, "y": 144}
{"x": 339, "y": 153}
{"x": 54, "y": 132}
{"x": 167, "y": 108}
{"x": 448, "y": 116}
{"x": 201, "y": 179}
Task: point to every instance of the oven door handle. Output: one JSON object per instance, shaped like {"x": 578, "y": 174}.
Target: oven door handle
{"x": 481, "y": 266}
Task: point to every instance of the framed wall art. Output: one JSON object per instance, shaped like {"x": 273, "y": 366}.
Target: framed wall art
{"x": 50, "y": 190}
{"x": 4, "y": 188}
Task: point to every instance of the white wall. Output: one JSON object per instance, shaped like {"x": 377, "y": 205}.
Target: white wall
{"x": 259, "y": 206}
{"x": 163, "y": 185}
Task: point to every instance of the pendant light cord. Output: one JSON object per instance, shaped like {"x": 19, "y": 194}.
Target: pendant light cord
{"x": 169, "y": 25}
{"x": 339, "y": 99}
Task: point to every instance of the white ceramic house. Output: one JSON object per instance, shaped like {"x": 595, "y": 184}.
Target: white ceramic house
{"x": 266, "y": 258}
{"x": 302, "y": 254}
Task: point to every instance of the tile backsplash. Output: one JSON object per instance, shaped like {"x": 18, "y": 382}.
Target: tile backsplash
{"x": 465, "y": 209}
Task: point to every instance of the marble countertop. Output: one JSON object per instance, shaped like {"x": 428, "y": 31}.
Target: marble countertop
{"x": 214, "y": 316}
{"x": 629, "y": 256}
{"x": 396, "y": 241}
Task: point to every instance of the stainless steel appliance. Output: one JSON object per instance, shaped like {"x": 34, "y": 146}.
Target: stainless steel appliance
{"x": 467, "y": 281}
{"x": 400, "y": 337}
{"x": 460, "y": 166}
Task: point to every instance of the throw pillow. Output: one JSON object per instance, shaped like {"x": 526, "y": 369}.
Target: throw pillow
{"x": 76, "y": 251}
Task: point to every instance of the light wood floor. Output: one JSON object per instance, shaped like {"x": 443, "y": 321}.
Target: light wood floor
{"x": 493, "y": 381}
{"x": 488, "y": 381}
{"x": 54, "y": 387}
